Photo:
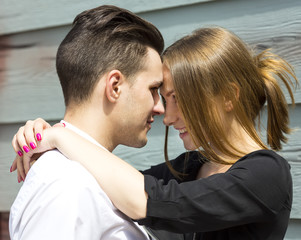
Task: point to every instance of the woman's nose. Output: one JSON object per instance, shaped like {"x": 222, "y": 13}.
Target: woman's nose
{"x": 170, "y": 116}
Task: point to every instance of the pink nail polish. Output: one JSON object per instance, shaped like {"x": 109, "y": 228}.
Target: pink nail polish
{"x": 20, "y": 153}
{"x": 26, "y": 149}
{"x": 11, "y": 169}
{"x": 39, "y": 138}
{"x": 19, "y": 180}
{"x": 32, "y": 145}
{"x": 64, "y": 124}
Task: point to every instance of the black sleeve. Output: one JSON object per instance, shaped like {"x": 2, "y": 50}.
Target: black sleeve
{"x": 160, "y": 171}
{"x": 253, "y": 189}
{"x": 187, "y": 163}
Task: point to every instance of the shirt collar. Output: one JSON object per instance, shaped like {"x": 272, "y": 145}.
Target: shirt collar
{"x": 83, "y": 134}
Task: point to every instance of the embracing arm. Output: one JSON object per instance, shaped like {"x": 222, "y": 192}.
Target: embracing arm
{"x": 244, "y": 194}
{"x": 179, "y": 207}
{"x": 122, "y": 183}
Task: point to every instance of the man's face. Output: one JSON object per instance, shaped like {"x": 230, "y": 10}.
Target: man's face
{"x": 141, "y": 102}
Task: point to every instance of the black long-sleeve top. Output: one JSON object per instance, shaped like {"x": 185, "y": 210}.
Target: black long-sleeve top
{"x": 252, "y": 200}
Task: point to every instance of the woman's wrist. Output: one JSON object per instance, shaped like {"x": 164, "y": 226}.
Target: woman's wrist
{"x": 63, "y": 139}
{"x": 52, "y": 136}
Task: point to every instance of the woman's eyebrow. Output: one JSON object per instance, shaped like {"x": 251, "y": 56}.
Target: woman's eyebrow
{"x": 167, "y": 93}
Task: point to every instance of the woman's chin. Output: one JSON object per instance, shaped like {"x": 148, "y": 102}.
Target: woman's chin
{"x": 189, "y": 147}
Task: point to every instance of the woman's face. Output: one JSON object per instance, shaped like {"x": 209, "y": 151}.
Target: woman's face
{"x": 173, "y": 116}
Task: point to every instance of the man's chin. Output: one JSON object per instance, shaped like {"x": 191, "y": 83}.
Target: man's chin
{"x": 139, "y": 143}
{"x": 142, "y": 144}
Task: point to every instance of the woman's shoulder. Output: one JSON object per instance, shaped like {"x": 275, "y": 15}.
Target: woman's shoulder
{"x": 265, "y": 173}
{"x": 263, "y": 158}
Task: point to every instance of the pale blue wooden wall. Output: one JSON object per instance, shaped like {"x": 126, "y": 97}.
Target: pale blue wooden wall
{"x": 30, "y": 31}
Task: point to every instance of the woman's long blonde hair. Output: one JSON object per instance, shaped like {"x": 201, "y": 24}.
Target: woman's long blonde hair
{"x": 215, "y": 62}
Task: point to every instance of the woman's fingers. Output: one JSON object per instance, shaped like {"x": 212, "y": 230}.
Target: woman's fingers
{"x": 29, "y": 135}
{"x": 21, "y": 141}
{"x": 26, "y": 163}
{"x": 20, "y": 168}
{"x": 25, "y": 144}
{"x": 38, "y": 126}
{"x": 18, "y": 151}
{"x": 14, "y": 165}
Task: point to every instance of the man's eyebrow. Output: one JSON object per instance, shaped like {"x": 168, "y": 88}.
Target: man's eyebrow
{"x": 157, "y": 84}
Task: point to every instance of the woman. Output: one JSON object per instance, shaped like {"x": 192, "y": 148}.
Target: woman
{"x": 233, "y": 186}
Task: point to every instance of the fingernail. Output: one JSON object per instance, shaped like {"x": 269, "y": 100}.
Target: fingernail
{"x": 11, "y": 168}
{"x": 26, "y": 149}
{"x": 19, "y": 180}
{"x": 64, "y": 124}
{"x": 32, "y": 145}
{"x": 22, "y": 179}
{"x": 20, "y": 153}
{"x": 39, "y": 138}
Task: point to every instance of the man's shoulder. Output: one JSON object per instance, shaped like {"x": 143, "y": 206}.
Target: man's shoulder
{"x": 55, "y": 175}
{"x": 55, "y": 168}
{"x": 50, "y": 165}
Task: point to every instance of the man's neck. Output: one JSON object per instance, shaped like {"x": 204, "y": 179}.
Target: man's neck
{"x": 94, "y": 127}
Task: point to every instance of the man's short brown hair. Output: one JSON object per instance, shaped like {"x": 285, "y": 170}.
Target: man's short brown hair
{"x": 103, "y": 39}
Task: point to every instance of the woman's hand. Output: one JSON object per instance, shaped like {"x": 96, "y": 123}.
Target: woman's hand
{"x": 123, "y": 184}
{"x": 28, "y": 145}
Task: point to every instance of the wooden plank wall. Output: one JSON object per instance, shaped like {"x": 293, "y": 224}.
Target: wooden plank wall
{"x": 30, "y": 33}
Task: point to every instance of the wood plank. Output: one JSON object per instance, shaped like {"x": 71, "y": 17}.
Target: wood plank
{"x": 294, "y": 230}
{"x": 29, "y": 86}
{"x": 34, "y": 14}
{"x": 296, "y": 174}
{"x": 9, "y": 185}
{"x": 267, "y": 24}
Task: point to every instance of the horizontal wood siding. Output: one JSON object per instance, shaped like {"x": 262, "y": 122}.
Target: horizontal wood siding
{"x": 27, "y": 60}
{"x": 36, "y": 14}
{"x": 29, "y": 87}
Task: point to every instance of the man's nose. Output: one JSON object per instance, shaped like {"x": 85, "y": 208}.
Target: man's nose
{"x": 158, "y": 108}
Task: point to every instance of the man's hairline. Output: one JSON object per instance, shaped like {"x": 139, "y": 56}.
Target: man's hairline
{"x": 131, "y": 79}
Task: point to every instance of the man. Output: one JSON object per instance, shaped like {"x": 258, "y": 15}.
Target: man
{"x": 110, "y": 69}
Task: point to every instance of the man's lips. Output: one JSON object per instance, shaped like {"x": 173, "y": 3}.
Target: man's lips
{"x": 149, "y": 123}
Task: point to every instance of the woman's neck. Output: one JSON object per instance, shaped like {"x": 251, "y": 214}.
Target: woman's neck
{"x": 211, "y": 168}
{"x": 240, "y": 140}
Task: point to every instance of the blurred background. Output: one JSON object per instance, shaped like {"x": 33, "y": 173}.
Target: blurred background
{"x": 31, "y": 30}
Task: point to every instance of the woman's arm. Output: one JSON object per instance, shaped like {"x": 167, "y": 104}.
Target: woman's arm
{"x": 123, "y": 184}
{"x": 223, "y": 200}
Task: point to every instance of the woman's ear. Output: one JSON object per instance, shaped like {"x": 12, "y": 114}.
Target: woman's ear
{"x": 236, "y": 91}
{"x": 114, "y": 79}
{"x": 228, "y": 106}
{"x": 228, "y": 101}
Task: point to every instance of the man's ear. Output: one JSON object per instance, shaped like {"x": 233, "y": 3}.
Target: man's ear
{"x": 114, "y": 79}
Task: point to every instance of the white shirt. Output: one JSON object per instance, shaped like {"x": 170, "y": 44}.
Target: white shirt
{"x": 60, "y": 199}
